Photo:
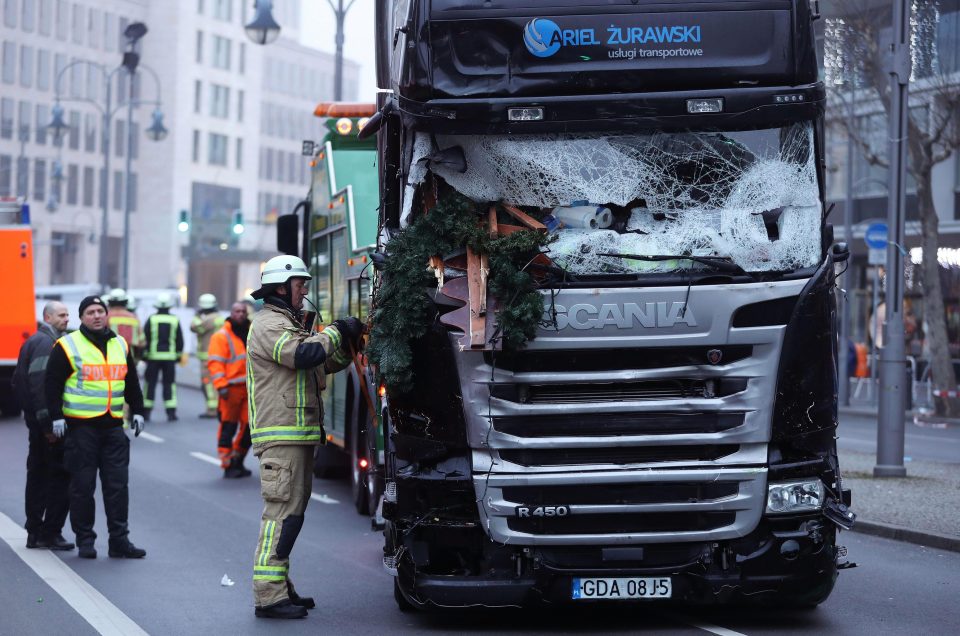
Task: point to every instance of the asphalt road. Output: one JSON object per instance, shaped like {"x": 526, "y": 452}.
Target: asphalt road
{"x": 859, "y": 433}
{"x": 196, "y": 527}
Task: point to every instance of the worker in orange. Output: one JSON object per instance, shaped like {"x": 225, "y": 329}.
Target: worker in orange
{"x": 124, "y": 322}
{"x": 227, "y": 363}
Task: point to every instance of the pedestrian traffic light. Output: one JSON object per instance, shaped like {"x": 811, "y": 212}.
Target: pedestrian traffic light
{"x": 184, "y": 224}
{"x": 237, "y": 222}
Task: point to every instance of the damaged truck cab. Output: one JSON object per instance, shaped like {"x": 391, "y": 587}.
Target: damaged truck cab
{"x": 669, "y": 431}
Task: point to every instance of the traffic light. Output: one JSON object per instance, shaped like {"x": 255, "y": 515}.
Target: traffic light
{"x": 184, "y": 224}
{"x": 237, "y": 222}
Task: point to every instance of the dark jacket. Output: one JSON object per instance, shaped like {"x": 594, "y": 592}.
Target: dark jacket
{"x": 163, "y": 335}
{"x": 30, "y": 374}
{"x": 59, "y": 370}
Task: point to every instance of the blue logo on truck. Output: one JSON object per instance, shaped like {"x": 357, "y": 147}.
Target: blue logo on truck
{"x": 542, "y": 37}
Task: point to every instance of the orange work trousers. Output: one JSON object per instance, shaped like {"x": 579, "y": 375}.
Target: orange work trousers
{"x": 233, "y": 438}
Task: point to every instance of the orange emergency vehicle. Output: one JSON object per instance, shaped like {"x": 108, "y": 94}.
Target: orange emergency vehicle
{"x": 17, "y": 320}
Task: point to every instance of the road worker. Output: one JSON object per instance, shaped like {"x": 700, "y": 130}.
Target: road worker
{"x": 164, "y": 340}
{"x": 227, "y": 364}
{"x": 90, "y": 375}
{"x": 124, "y": 322}
{"x": 204, "y": 324}
{"x": 286, "y": 371}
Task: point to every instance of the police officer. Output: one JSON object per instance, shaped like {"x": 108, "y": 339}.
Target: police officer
{"x": 164, "y": 347}
{"x": 90, "y": 374}
{"x": 286, "y": 370}
{"x": 205, "y": 324}
{"x": 46, "y": 499}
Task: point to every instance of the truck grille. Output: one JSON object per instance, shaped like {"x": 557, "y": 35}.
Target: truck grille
{"x": 598, "y": 425}
{"x": 674, "y": 389}
{"x": 621, "y": 494}
{"x": 623, "y": 523}
{"x": 617, "y": 455}
{"x": 588, "y": 360}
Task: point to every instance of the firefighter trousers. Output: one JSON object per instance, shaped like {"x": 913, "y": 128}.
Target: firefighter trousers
{"x": 169, "y": 370}
{"x": 286, "y": 480}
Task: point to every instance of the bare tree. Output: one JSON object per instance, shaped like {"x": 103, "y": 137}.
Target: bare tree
{"x": 856, "y": 57}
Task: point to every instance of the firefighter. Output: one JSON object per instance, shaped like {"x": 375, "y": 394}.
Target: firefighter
{"x": 286, "y": 371}
{"x": 164, "y": 340}
{"x": 204, "y": 324}
{"x": 124, "y": 322}
{"x": 227, "y": 365}
{"x": 90, "y": 375}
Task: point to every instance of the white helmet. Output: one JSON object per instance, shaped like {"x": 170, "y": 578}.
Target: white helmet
{"x": 280, "y": 269}
{"x": 118, "y": 296}
{"x": 164, "y": 301}
{"x": 207, "y": 301}
{"x": 132, "y": 303}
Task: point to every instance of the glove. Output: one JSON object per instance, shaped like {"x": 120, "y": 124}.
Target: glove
{"x": 137, "y": 425}
{"x": 351, "y": 329}
{"x": 224, "y": 392}
{"x": 59, "y": 428}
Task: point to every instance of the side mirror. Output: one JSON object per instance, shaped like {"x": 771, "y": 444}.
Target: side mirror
{"x": 288, "y": 234}
{"x": 840, "y": 252}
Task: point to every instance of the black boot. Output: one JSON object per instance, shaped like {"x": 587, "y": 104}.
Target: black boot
{"x": 172, "y": 415}
{"x": 56, "y": 542}
{"x": 126, "y": 550}
{"x": 301, "y": 601}
{"x": 33, "y": 540}
{"x": 146, "y": 416}
{"x": 87, "y": 552}
{"x": 234, "y": 470}
{"x": 283, "y": 609}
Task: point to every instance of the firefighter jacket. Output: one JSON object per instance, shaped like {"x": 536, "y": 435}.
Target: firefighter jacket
{"x": 227, "y": 360}
{"x": 205, "y": 324}
{"x": 284, "y": 400}
{"x": 164, "y": 337}
{"x": 125, "y": 323}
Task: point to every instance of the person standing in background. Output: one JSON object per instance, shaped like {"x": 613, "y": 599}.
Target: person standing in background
{"x": 164, "y": 340}
{"x": 205, "y": 324}
{"x": 47, "y": 497}
{"x": 124, "y": 322}
{"x": 228, "y": 371}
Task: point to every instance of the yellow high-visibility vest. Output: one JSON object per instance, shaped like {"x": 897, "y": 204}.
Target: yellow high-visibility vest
{"x": 97, "y": 383}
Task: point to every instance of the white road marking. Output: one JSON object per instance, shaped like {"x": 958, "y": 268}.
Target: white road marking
{"x": 323, "y": 499}
{"x": 150, "y": 437}
{"x": 90, "y": 604}
{"x": 707, "y": 627}
{"x": 206, "y": 458}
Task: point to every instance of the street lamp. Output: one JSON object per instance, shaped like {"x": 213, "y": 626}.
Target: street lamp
{"x": 130, "y": 63}
{"x": 263, "y": 29}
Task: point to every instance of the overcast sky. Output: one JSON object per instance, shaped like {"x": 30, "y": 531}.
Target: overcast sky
{"x": 319, "y": 29}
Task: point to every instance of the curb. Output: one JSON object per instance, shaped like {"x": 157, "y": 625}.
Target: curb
{"x": 907, "y": 535}
{"x": 869, "y": 411}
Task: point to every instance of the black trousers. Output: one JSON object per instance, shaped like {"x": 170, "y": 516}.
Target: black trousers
{"x": 107, "y": 451}
{"x": 169, "y": 370}
{"x": 47, "y": 497}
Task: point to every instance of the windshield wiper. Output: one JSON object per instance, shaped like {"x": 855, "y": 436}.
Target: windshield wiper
{"x": 719, "y": 263}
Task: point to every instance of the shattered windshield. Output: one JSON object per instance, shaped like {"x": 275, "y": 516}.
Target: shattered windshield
{"x": 748, "y": 196}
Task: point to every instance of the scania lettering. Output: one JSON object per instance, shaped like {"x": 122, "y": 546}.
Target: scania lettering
{"x": 665, "y": 429}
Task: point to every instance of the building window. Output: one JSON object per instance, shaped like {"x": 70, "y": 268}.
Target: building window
{"x": 89, "y": 133}
{"x": 199, "y": 47}
{"x": 109, "y": 31}
{"x": 221, "y": 52}
{"x": 39, "y": 180}
{"x": 217, "y": 151}
{"x": 196, "y": 146}
{"x": 45, "y": 17}
{"x": 73, "y": 140}
{"x": 239, "y": 154}
{"x": 63, "y": 20}
{"x": 43, "y": 69}
{"x": 23, "y": 176}
{"x": 10, "y": 13}
{"x": 133, "y": 191}
{"x": 240, "y": 95}
{"x": 93, "y": 31}
{"x": 242, "y": 57}
{"x": 117, "y": 190}
{"x": 29, "y": 16}
{"x": 59, "y": 63}
{"x": 134, "y": 140}
{"x": 6, "y": 170}
{"x": 76, "y": 79}
{"x": 43, "y": 118}
{"x": 76, "y": 23}
{"x": 268, "y": 173}
{"x": 9, "y": 62}
{"x": 222, "y": 10}
{"x": 119, "y": 137}
{"x": 26, "y": 66}
{"x": 6, "y": 118}
{"x": 73, "y": 183}
{"x": 121, "y": 27}
{"x": 88, "y": 187}
{"x": 219, "y": 101}
{"x": 197, "y": 96}
{"x": 199, "y": 7}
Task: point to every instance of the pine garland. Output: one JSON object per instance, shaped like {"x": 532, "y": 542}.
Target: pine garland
{"x": 404, "y": 310}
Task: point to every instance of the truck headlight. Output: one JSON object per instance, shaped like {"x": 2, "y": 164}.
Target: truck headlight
{"x": 794, "y": 496}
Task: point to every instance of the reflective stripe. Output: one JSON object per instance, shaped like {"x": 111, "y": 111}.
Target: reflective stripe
{"x": 267, "y": 540}
{"x": 218, "y": 358}
{"x": 251, "y": 402}
{"x": 70, "y": 390}
{"x": 237, "y": 381}
{"x": 170, "y": 353}
{"x": 335, "y": 336}
{"x": 75, "y": 360}
{"x": 285, "y": 433}
{"x": 301, "y": 396}
{"x": 278, "y": 348}
{"x": 217, "y": 376}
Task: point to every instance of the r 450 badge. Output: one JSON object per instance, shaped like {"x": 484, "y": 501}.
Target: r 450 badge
{"x": 542, "y": 511}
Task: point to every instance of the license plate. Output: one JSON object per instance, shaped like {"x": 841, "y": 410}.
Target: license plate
{"x": 622, "y": 588}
